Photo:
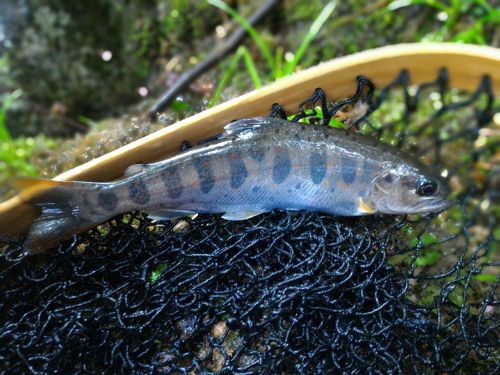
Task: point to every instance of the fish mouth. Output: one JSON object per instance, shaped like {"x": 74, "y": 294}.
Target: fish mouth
{"x": 430, "y": 205}
{"x": 436, "y": 205}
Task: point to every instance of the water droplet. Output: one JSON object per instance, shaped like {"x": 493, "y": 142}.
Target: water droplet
{"x": 107, "y": 55}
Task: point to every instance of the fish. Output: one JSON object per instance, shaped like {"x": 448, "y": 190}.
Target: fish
{"x": 256, "y": 165}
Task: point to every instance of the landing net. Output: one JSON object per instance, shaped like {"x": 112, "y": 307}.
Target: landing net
{"x": 284, "y": 292}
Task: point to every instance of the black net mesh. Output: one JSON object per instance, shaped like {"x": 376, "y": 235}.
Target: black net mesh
{"x": 283, "y": 292}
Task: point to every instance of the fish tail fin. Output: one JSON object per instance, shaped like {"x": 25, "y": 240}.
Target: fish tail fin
{"x": 66, "y": 209}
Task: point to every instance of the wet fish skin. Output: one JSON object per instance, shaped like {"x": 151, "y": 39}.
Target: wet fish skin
{"x": 288, "y": 166}
{"x": 255, "y": 166}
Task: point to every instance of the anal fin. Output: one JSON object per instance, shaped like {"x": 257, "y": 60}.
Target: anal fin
{"x": 240, "y": 215}
{"x": 164, "y": 214}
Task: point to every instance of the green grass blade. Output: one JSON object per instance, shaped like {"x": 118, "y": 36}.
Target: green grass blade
{"x": 486, "y": 277}
{"x": 492, "y": 17}
{"x": 7, "y": 102}
{"x": 225, "y": 78}
{"x": 485, "y": 5}
{"x": 278, "y": 63}
{"x": 398, "y": 4}
{"x": 4, "y": 61}
{"x": 264, "y": 49}
{"x": 311, "y": 34}
{"x": 4, "y": 133}
{"x": 251, "y": 68}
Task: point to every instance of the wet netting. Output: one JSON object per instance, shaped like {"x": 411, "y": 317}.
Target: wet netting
{"x": 284, "y": 292}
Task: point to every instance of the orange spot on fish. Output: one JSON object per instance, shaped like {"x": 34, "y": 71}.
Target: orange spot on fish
{"x": 343, "y": 185}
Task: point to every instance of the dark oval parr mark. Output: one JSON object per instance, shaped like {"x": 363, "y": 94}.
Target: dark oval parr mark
{"x": 172, "y": 182}
{"x": 138, "y": 192}
{"x": 317, "y": 166}
{"x": 282, "y": 166}
{"x": 348, "y": 169}
{"x": 238, "y": 172}
{"x": 107, "y": 200}
{"x": 205, "y": 175}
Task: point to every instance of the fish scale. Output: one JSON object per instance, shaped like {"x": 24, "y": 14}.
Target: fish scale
{"x": 255, "y": 166}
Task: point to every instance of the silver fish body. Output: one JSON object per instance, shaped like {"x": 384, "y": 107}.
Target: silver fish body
{"x": 256, "y": 165}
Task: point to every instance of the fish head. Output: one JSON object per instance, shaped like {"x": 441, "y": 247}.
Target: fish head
{"x": 403, "y": 188}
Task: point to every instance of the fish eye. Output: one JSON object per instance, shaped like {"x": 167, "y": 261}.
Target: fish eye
{"x": 388, "y": 178}
{"x": 427, "y": 188}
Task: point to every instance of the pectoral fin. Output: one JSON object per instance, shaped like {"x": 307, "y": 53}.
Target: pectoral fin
{"x": 241, "y": 215}
{"x": 365, "y": 208}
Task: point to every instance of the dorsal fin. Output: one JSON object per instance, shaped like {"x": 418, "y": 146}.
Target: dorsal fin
{"x": 134, "y": 169}
{"x": 243, "y": 127}
{"x": 250, "y": 124}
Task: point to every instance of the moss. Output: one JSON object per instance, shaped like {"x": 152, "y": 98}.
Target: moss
{"x": 91, "y": 60}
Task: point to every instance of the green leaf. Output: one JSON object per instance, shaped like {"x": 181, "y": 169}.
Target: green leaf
{"x": 429, "y": 293}
{"x": 335, "y": 123}
{"x": 155, "y": 275}
{"x": 486, "y": 277}
{"x": 179, "y": 105}
{"x": 428, "y": 259}
{"x": 427, "y": 240}
{"x": 496, "y": 233}
{"x": 456, "y": 296}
